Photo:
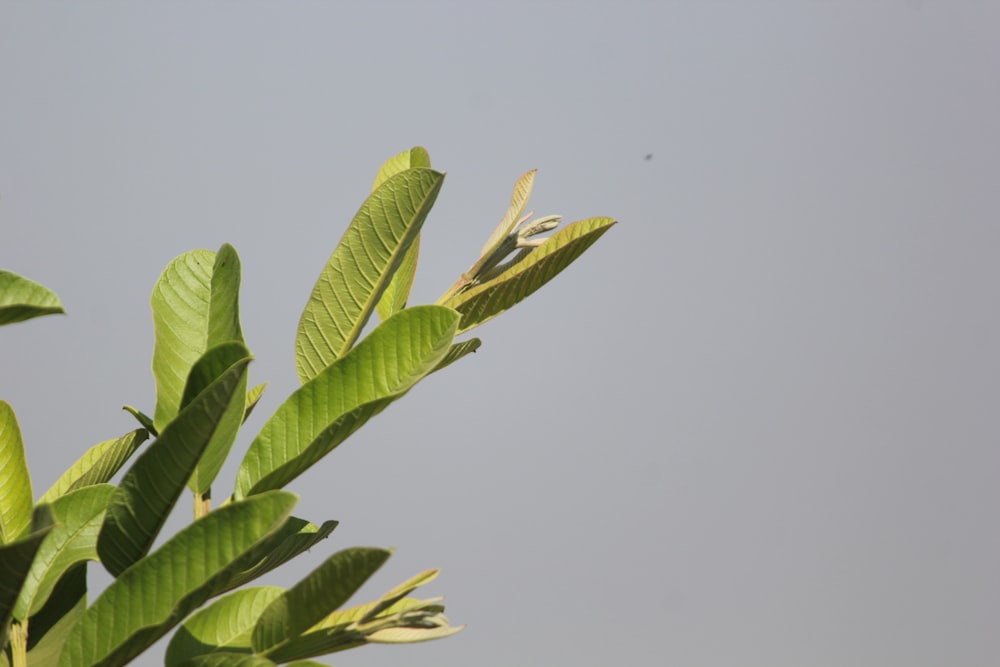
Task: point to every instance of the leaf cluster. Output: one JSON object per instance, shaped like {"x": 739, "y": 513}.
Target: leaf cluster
{"x": 196, "y": 580}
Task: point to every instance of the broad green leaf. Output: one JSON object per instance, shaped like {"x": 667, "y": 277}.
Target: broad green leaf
{"x": 152, "y": 485}
{"x": 321, "y": 591}
{"x": 416, "y": 157}
{"x": 15, "y": 562}
{"x": 160, "y": 590}
{"x": 360, "y": 268}
{"x": 212, "y": 365}
{"x": 224, "y": 310}
{"x": 518, "y": 200}
{"x": 73, "y": 540}
{"x": 22, "y": 299}
{"x": 396, "y": 295}
{"x": 223, "y": 626}
{"x": 195, "y": 307}
{"x": 15, "y": 482}
{"x": 538, "y": 266}
{"x": 97, "y": 465}
{"x": 457, "y": 351}
{"x": 324, "y": 411}
{"x": 49, "y": 628}
{"x": 296, "y": 536}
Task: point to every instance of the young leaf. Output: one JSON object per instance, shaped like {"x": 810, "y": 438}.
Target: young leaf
{"x": 347, "y": 628}
{"x": 395, "y": 296}
{"x": 253, "y": 396}
{"x": 518, "y": 200}
{"x": 223, "y": 626}
{"x": 360, "y": 268}
{"x": 195, "y": 307}
{"x": 148, "y": 599}
{"x": 540, "y": 265}
{"x": 323, "y": 590}
{"x": 22, "y": 299}
{"x": 15, "y": 482}
{"x": 324, "y": 411}
{"x": 73, "y": 540}
{"x": 152, "y": 485}
{"x": 97, "y": 465}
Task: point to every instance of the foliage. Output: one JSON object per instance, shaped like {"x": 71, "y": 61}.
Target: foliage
{"x": 200, "y": 367}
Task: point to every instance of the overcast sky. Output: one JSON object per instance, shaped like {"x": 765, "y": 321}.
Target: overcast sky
{"x": 754, "y": 425}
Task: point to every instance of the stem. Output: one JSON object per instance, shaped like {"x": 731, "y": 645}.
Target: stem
{"x": 19, "y": 643}
{"x": 202, "y": 504}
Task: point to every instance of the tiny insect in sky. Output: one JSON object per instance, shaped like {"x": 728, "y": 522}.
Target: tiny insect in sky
{"x": 649, "y": 156}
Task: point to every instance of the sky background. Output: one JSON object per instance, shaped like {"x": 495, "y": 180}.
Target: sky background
{"x": 754, "y": 425}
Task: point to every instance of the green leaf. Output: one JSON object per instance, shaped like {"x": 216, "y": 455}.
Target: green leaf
{"x": 411, "y": 635}
{"x": 15, "y": 562}
{"x": 15, "y": 482}
{"x": 151, "y": 487}
{"x": 144, "y": 420}
{"x": 296, "y": 536}
{"x": 457, "y": 351}
{"x": 348, "y": 628}
{"x": 396, "y": 295}
{"x": 360, "y": 268}
{"x": 212, "y": 365}
{"x": 323, "y": 590}
{"x": 73, "y": 540}
{"x": 223, "y": 626}
{"x": 229, "y": 660}
{"x": 416, "y": 157}
{"x": 195, "y": 307}
{"x": 253, "y": 396}
{"x": 49, "y": 627}
{"x": 324, "y": 411}
{"x": 97, "y": 465}
{"x": 22, "y": 299}
{"x": 159, "y": 591}
{"x": 535, "y": 268}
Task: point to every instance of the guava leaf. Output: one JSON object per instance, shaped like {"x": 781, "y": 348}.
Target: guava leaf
{"x": 222, "y": 626}
{"x": 15, "y": 481}
{"x": 535, "y": 268}
{"x": 321, "y": 591}
{"x": 22, "y": 299}
{"x": 160, "y": 590}
{"x": 152, "y": 485}
{"x": 97, "y": 465}
{"x": 332, "y": 405}
{"x": 195, "y": 307}
{"x": 16, "y": 558}
{"x": 396, "y": 295}
{"x": 361, "y": 268}
{"x": 78, "y": 515}
{"x": 205, "y": 371}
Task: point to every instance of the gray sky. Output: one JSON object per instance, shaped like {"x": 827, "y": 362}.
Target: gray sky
{"x": 755, "y": 425}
